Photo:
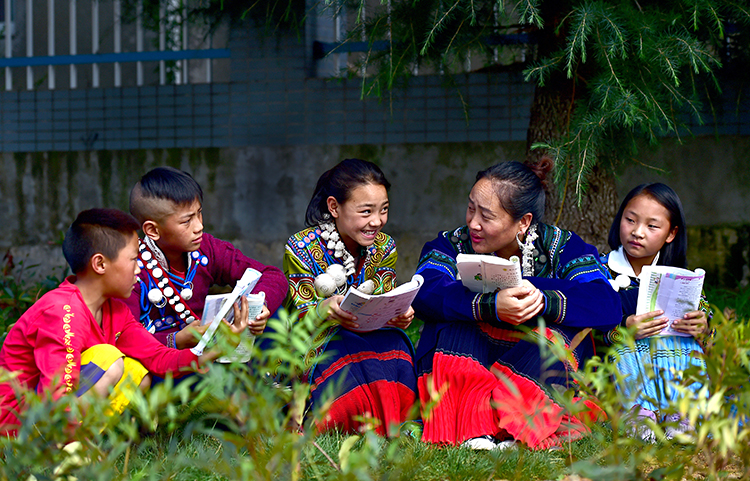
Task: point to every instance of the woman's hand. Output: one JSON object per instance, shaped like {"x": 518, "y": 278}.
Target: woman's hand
{"x": 330, "y": 310}
{"x": 517, "y": 305}
{"x": 403, "y": 321}
{"x": 258, "y": 325}
{"x": 647, "y": 325}
{"x": 693, "y": 323}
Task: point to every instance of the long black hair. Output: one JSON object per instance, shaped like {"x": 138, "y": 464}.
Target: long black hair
{"x": 339, "y": 182}
{"x": 519, "y": 187}
{"x": 672, "y": 253}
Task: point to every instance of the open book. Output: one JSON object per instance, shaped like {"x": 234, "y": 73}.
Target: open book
{"x": 487, "y": 273}
{"x": 255, "y": 304}
{"x": 374, "y": 311}
{"x": 670, "y": 289}
{"x": 224, "y": 303}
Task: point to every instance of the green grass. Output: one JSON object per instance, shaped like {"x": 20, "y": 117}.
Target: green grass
{"x": 188, "y": 442}
{"x": 415, "y": 461}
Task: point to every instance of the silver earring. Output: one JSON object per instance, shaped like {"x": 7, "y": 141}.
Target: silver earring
{"x": 518, "y": 239}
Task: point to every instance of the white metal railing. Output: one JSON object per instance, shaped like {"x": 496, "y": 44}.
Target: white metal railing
{"x": 173, "y": 36}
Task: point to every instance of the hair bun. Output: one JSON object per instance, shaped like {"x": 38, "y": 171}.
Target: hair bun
{"x": 541, "y": 168}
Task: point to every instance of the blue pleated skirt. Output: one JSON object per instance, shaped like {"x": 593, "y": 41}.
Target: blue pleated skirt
{"x": 653, "y": 366}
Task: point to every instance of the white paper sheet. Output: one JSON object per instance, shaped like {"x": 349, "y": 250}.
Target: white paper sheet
{"x": 374, "y": 311}
{"x": 670, "y": 289}
{"x": 243, "y": 287}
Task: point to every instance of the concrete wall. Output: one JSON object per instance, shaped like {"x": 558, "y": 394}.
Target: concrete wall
{"x": 256, "y": 196}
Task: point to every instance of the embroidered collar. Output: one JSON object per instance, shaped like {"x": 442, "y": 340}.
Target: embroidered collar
{"x": 620, "y": 264}
{"x": 152, "y": 259}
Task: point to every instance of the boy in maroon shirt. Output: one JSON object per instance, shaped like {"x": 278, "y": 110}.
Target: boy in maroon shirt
{"x": 81, "y": 337}
{"x": 180, "y": 262}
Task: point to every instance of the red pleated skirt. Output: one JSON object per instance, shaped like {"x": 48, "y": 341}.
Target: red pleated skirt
{"x": 462, "y": 399}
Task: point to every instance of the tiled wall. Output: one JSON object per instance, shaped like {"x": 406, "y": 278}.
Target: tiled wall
{"x": 269, "y": 101}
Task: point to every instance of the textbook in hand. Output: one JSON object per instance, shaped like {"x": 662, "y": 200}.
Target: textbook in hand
{"x": 374, "y": 311}
{"x": 487, "y": 273}
{"x": 255, "y": 303}
{"x": 225, "y": 302}
{"x": 672, "y": 290}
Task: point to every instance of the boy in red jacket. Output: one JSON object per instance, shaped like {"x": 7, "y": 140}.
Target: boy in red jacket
{"x": 81, "y": 337}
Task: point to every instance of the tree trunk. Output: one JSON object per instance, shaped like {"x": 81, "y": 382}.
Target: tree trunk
{"x": 550, "y": 112}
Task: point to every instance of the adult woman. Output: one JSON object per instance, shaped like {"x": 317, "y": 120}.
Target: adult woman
{"x": 466, "y": 334}
{"x": 369, "y": 375}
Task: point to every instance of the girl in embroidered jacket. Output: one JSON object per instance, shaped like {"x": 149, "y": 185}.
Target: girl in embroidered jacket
{"x": 369, "y": 376}
{"x": 649, "y": 229}
{"x": 474, "y": 350}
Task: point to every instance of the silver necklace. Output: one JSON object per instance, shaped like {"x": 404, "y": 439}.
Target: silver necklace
{"x": 333, "y": 242}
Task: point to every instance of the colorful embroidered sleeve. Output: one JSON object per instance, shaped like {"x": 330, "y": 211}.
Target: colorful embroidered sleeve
{"x": 579, "y": 294}
{"x": 442, "y": 297}
{"x": 382, "y": 265}
{"x": 301, "y": 277}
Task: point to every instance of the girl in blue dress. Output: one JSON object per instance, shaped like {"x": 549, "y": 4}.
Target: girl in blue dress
{"x": 649, "y": 229}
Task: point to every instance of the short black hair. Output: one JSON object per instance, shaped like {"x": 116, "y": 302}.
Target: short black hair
{"x": 94, "y": 231}
{"x": 673, "y": 253}
{"x": 339, "y": 182}
{"x": 159, "y": 184}
{"x": 519, "y": 187}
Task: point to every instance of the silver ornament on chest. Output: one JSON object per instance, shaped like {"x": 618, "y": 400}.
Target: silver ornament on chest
{"x": 325, "y": 285}
{"x": 155, "y": 296}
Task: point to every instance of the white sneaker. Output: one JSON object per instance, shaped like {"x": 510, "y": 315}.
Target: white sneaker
{"x": 637, "y": 426}
{"x": 509, "y": 444}
{"x": 488, "y": 443}
{"x": 482, "y": 443}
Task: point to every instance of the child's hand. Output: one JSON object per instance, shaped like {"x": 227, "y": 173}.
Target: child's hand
{"x": 241, "y": 321}
{"x": 258, "y": 324}
{"x": 230, "y": 332}
{"x": 693, "y": 323}
{"x": 330, "y": 310}
{"x": 517, "y": 305}
{"x": 646, "y": 325}
{"x": 403, "y": 321}
{"x": 189, "y": 335}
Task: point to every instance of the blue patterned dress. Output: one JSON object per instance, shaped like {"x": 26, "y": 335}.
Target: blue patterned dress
{"x": 489, "y": 374}
{"x": 654, "y": 363}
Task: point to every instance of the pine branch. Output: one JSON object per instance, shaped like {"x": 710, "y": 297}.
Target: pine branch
{"x": 577, "y": 38}
{"x": 529, "y": 13}
{"x": 437, "y": 27}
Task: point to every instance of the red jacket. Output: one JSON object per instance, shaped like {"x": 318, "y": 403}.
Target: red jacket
{"x": 46, "y": 343}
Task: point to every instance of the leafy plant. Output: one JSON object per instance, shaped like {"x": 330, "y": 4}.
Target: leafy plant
{"x": 241, "y": 422}
{"x": 17, "y": 292}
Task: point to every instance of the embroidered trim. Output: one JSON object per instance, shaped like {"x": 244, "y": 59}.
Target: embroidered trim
{"x": 149, "y": 260}
{"x": 557, "y": 305}
{"x": 172, "y": 340}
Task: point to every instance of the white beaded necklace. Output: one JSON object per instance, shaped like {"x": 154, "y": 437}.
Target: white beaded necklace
{"x": 333, "y": 241}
